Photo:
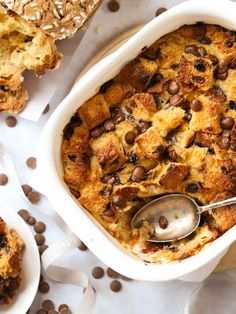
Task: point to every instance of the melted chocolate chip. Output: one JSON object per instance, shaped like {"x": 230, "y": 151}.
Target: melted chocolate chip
{"x": 138, "y": 174}
{"x": 142, "y": 125}
{"x": 133, "y": 158}
{"x": 176, "y": 100}
{"x": 193, "y": 49}
{"x": 119, "y": 201}
{"x": 105, "y": 86}
{"x": 232, "y": 104}
{"x": 96, "y": 132}
{"x": 198, "y": 79}
{"x": 173, "y": 87}
{"x": 196, "y": 105}
{"x": 109, "y": 125}
{"x": 212, "y": 58}
{"x": 130, "y": 137}
{"x": 227, "y": 123}
{"x": 200, "y": 65}
{"x": 192, "y": 188}
{"x": 205, "y": 40}
{"x": 224, "y": 142}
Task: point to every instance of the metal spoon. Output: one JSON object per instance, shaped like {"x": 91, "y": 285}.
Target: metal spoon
{"x": 173, "y": 217}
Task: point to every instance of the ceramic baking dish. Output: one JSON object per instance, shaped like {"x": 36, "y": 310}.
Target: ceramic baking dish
{"x": 50, "y": 175}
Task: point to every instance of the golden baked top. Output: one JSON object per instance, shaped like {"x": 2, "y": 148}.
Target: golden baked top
{"x": 164, "y": 124}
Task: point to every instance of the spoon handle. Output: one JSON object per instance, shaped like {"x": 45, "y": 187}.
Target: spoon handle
{"x": 229, "y": 201}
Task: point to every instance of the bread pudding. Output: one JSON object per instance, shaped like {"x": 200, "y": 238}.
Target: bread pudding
{"x": 165, "y": 124}
{"x": 11, "y": 247}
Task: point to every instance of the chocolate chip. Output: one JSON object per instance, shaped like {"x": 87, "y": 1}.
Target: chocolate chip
{"x": 160, "y": 11}
{"x": 173, "y": 87}
{"x": 227, "y": 123}
{"x": 205, "y": 40}
{"x": 39, "y": 227}
{"x": 176, "y": 100}
{"x": 109, "y": 125}
{"x": 62, "y": 306}
{"x": 212, "y": 58}
{"x": 163, "y": 222}
{"x": 216, "y": 94}
{"x": 138, "y": 174}
{"x": 109, "y": 179}
{"x": 222, "y": 66}
{"x": 112, "y": 273}
{"x": 130, "y": 137}
{"x": 232, "y": 104}
{"x": 75, "y": 193}
{"x": 42, "y": 248}
{"x": 200, "y": 65}
{"x": 98, "y": 272}
{"x": 44, "y": 287}
{"x": 3, "y": 179}
{"x": 143, "y": 125}
{"x": 104, "y": 191}
{"x": 229, "y": 43}
{"x": 82, "y": 247}
{"x": 11, "y": 121}
{"x": 24, "y": 214}
{"x": 39, "y": 238}
{"x": 113, "y": 6}
{"x": 201, "y": 51}
{"x": 152, "y": 53}
{"x": 192, "y": 188}
{"x": 133, "y": 158}
{"x": 65, "y": 311}
{"x": 96, "y": 132}
{"x": 198, "y": 79}
{"x": 199, "y": 30}
{"x": 193, "y": 49}
{"x": 34, "y": 197}
{"x": 222, "y": 76}
{"x": 105, "y": 86}
{"x": 48, "y": 305}
{"x": 115, "y": 286}
{"x": 172, "y": 154}
{"x": 31, "y": 221}
{"x": 119, "y": 118}
{"x": 108, "y": 215}
{"x": 26, "y": 189}
{"x": 196, "y": 105}
{"x": 144, "y": 77}
{"x": 119, "y": 201}
{"x": 31, "y": 162}
{"x": 224, "y": 142}
{"x": 188, "y": 116}
{"x": 46, "y": 109}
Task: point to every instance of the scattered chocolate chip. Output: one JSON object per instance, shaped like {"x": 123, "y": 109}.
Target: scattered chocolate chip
{"x": 211, "y": 150}
{"x": 216, "y": 94}
{"x": 227, "y": 123}
{"x": 39, "y": 227}
{"x": 24, "y": 214}
{"x": 42, "y": 248}
{"x": 133, "y": 158}
{"x": 105, "y": 86}
{"x": 152, "y": 53}
{"x": 224, "y": 142}
{"x": 176, "y": 100}
{"x": 193, "y": 49}
{"x": 109, "y": 125}
{"x": 119, "y": 201}
{"x": 130, "y": 137}
{"x": 222, "y": 76}
{"x": 201, "y": 51}
{"x": 200, "y": 65}
{"x": 39, "y": 238}
{"x": 48, "y": 305}
{"x": 98, "y": 272}
{"x": 173, "y": 87}
{"x": 96, "y": 132}
{"x": 46, "y": 109}
{"x": 223, "y": 66}
{"x": 232, "y": 104}
{"x": 31, "y": 162}
{"x": 196, "y": 105}
{"x": 3, "y": 179}
{"x": 108, "y": 214}
{"x": 27, "y": 189}
{"x": 205, "y": 40}
{"x": 198, "y": 79}
{"x": 143, "y": 125}
{"x": 109, "y": 179}
{"x": 82, "y": 247}
{"x": 112, "y": 273}
{"x": 44, "y": 287}
{"x": 11, "y": 121}
{"x": 158, "y": 100}
{"x": 105, "y": 190}
{"x": 188, "y": 116}
{"x": 138, "y": 174}
{"x": 115, "y": 286}
{"x": 34, "y": 197}
{"x": 160, "y": 11}
{"x": 62, "y": 306}
{"x": 119, "y": 118}
{"x": 199, "y": 30}
{"x": 113, "y": 6}
{"x": 31, "y": 221}
{"x": 163, "y": 222}
{"x": 212, "y": 58}
{"x": 192, "y": 188}
{"x": 75, "y": 193}
{"x": 172, "y": 154}
{"x": 229, "y": 43}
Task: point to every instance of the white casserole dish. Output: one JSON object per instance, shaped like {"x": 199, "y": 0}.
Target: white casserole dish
{"x": 50, "y": 175}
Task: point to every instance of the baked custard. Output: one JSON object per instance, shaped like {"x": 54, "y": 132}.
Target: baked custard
{"x": 164, "y": 124}
{"x": 11, "y": 248}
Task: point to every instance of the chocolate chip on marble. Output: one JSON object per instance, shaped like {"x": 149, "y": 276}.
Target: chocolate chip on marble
{"x": 3, "y": 179}
{"x": 112, "y": 273}
{"x": 31, "y": 162}
{"x": 24, "y": 214}
{"x": 27, "y": 189}
{"x": 109, "y": 125}
{"x": 48, "y": 305}
{"x": 63, "y": 306}
{"x": 46, "y": 109}
{"x": 138, "y": 174}
{"x": 196, "y": 105}
{"x": 39, "y": 238}
{"x": 82, "y": 247}
{"x": 65, "y": 311}
{"x": 130, "y": 137}
{"x": 11, "y": 121}
{"x": 96, "y": 132}
{"x": 227, "y": 123}
{"x": 39, "y": 227}
{"x": 34, "y": 197}
{"x": 31, "y": 221}
{"x": 176, "y": 100}
{"x": 42, "y": 248}
{"x": 97, "y": 272}
{"x": 115, "y": 286}
{"x": 44, "y": 287}
{"x": 119, "y": 201}
{"x": 173, "y": 87}
{"x": 113, "y": 6}
{"x": 160, "y": 11}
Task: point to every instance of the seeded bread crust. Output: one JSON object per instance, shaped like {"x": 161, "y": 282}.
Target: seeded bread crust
{"x": 58, "y": 18}
{"x": 178, "y": 101}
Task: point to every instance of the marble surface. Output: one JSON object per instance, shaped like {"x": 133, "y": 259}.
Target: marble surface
{"x": 21, "y": 143}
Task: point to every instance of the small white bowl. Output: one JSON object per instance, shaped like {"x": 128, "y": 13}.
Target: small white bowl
{"x": 50, "y": 173}
{"x": 30, "y": 264}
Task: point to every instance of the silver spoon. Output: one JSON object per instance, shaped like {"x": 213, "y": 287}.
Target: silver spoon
{"x": 173, "y": 217}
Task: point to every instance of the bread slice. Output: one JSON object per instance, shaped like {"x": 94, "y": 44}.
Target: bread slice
{"x": 13, "y": 101}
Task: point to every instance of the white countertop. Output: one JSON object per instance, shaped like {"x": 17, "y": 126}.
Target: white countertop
{"x": 21, "y": 143}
